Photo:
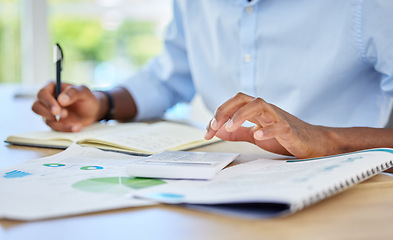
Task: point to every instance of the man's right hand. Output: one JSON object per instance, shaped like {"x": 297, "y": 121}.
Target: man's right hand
{"x": 77, "y": 107}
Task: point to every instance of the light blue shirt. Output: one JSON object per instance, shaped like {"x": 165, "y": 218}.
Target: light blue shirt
{"x": 328, "y": 62}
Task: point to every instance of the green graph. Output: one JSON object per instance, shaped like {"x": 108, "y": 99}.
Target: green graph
{"x": 115, "y": 185}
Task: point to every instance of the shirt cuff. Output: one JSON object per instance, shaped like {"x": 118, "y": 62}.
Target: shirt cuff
{"x": 149, "y": 97}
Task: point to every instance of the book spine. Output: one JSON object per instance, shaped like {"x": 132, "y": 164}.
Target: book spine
{"x": 343, "y": 185}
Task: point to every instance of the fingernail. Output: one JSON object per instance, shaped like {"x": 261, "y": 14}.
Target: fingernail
{"x": 213, "y": 124}
{"x": 258, "y": 135}
{"x": 64, "y": 98}
{"x": 55, "y": 110}
{"x": 229, "y": 125}
{"x": 206, "y": 135}
{"x": 63, "y": 113}
{"x": 75, "y": 128}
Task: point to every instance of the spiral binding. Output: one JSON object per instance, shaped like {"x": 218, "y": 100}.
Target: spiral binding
{"x": 346, "y": 184}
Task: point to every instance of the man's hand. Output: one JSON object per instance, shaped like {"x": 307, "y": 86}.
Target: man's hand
{"x": 275, "y": 130}
{"x": 77, "y": 106}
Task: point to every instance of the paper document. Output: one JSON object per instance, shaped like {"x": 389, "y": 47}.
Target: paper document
{"x": 287, "y": 186}
{"x": 75, "y": 181}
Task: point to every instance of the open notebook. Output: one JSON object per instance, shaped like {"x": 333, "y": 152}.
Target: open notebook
{"x": 135, "y": 138}
{"x": 267, "y": 188}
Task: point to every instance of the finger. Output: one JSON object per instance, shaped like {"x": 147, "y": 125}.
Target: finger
{"x": 72, "y": 94}
{"x": 226, "y": 111}
{"x": 246, "y": 134}
{"x": 280, "y": 130}
{"x": 229, "y": 108}
{"x": 257, "y": 111}
{"x": 51, "y": 121}
{"x": 242, "y": 134}
{"x": 42, "y": 110}
{"x": 209, "y": 131}
{"x": 47, "y": 98}
{"x": 64, "y": 126}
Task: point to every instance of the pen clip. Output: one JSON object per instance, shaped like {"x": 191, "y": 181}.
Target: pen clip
{"x": 58, "y": 55}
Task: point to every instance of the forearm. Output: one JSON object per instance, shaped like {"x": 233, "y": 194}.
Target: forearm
{"x": 342, "y": 140}
{"x": 359, "y": 138}
{"x": 123, "y": 102}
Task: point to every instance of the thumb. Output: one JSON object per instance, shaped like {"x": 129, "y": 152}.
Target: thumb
{"x": 241, "y": 134}
{"x": 72, "y": 94}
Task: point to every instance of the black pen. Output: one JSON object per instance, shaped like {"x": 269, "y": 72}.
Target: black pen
{"x": 58, "y": 60}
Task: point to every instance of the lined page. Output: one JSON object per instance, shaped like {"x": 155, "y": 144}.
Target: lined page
{"x": 156, "y": 137}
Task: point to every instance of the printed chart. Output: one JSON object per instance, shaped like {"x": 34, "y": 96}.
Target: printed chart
{"x": 115, "y": 185}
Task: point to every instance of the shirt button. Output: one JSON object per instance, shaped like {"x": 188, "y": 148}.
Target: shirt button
{"x": 249, "y": 10}
{"x": 247, "y": 58}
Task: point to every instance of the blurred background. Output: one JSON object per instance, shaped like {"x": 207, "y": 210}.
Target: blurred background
{"x": 104, "y": 41}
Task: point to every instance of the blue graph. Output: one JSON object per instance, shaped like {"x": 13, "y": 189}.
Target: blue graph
{"x": 16, "y": 174}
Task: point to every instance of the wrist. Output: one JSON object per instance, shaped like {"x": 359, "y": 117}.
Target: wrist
{"x": 122, "y": 102}
{"x": 106, "y": 105}
{"x": 111, "y": 106}
{"x": 335, "y": 141}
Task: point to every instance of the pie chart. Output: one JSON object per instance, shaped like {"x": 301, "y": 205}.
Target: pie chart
{"x": 115, "y": 185}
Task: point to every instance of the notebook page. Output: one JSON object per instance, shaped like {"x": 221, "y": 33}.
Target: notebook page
{"x": 156, "y": 137}
{"x": 92, "y": 131}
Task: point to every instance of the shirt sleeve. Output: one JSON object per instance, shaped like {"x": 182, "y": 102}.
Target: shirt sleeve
{"x": 166, "y": 79}
{"x": 375, "y": 21}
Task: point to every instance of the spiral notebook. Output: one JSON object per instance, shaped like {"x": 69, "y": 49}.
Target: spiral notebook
{"x": 269, "y": 188}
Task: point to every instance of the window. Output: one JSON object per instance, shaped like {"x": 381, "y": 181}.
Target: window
{"x": 10, "y": 41}
{"x": 104, "y": 41}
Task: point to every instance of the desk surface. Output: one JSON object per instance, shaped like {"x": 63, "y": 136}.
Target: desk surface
{"x": 362, "y": 212}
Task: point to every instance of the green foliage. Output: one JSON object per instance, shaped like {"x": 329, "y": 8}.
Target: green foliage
{"x": 85, "y": 39}
{"x": 9, "y": 1}
{"x": 140, "y": 41}
{"x": 9, "y": 42}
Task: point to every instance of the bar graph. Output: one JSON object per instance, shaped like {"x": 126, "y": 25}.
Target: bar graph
{"x": 16, "y": 174}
